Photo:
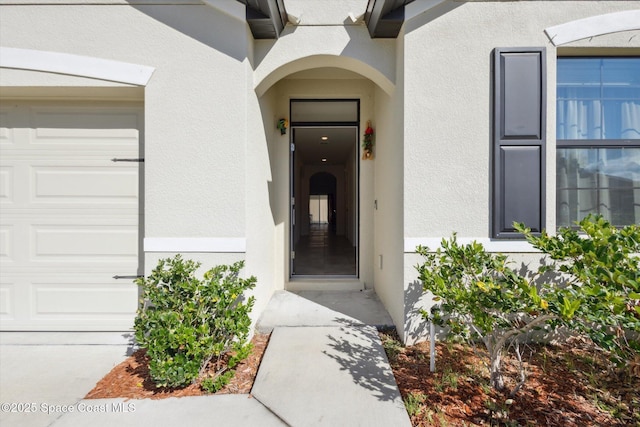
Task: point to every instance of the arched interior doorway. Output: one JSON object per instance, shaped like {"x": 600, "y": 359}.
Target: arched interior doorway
{"x": 322, "y": 201}
{"x": 324, "y": 187}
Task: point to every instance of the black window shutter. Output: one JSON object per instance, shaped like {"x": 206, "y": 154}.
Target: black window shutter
{"x": 519, "y": 140}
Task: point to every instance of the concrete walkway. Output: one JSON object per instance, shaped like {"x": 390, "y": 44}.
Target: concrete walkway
{"x": 324, "y": 366}
{"x": 329, "y": 376}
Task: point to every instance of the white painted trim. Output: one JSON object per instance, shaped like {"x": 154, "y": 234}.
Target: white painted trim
{"x": 195, "y": 244}
{"x": 594, "y": 26}
{"x": 75, "y": 65}
{"x": 101, "y": 2}
{"x": 505, "y": 246}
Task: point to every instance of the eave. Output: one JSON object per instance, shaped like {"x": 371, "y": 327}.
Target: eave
{"x": 266, "y": 18}
{"x": 384, "y": 18}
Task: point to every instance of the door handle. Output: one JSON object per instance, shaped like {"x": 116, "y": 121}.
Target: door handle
{"x": 127, "y": 277}
{"x": 127, "y": 160}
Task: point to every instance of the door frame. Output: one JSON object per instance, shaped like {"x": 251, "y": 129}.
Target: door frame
{"x": 293, "y": 202}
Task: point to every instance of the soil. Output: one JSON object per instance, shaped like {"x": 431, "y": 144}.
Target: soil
{"x": 130, "y": 379}
{"x": 571, "y": 385}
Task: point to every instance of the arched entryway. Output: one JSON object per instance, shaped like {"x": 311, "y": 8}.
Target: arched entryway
{"x": 337, "y": 84}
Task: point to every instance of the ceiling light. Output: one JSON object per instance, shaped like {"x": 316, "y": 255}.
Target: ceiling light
{"x": 324, "y": 160}
{"x": 324, "y": 138}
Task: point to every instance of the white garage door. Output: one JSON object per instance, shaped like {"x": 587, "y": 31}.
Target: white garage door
{"x": 70, "y": 216}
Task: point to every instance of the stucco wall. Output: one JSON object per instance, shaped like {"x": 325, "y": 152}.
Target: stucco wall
{"x": 448, "y": 95}
{"x": 389, "y": 194}
{"x": 307, "y": 47}
{"x": 262, "y": 220}
{"x": 193, "y": 49}
{"x": 448, "y": 102}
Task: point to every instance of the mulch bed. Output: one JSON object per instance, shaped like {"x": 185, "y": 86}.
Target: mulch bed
{"x": 131, "y": 380}
{"x": 571, "y": 385}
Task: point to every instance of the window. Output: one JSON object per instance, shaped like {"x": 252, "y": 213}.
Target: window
{"x": 598, "y": 140}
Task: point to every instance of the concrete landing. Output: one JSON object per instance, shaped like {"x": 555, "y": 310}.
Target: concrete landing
{"x": 329, "y": 376}
{"x": 323, "y": 308}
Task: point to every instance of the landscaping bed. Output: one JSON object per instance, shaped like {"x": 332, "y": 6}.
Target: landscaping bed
{"x": 130, "y": 379}
{"x": 569, "y": 385}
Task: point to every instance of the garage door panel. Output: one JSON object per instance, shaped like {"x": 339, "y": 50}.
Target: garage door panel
{"x": 94, "y": 300}
{"x": 84, "y": 139}
{"x": 67, "y": 302}
{"x": 77, "y": 129}
{"x": 14, "y": 298}
{"x": 29, "y": 240}
{"x": 6, "y": 244}
{"x": 64, "y": 184}
{"x": 66, "y": 243}
{"x": 85, "y": 130}
{"x": 96, "y": 184}
{"x": 7, "y": 291}
{"x": 94, "y": 123}
{"x": 6, "y": 184}
{"x": 56, "y": 272}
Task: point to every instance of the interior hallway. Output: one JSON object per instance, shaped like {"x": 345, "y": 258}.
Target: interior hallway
{"x": 322, "y": 253}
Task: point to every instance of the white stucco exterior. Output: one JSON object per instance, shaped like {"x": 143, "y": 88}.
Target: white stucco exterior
{"x": 216, "y": 181}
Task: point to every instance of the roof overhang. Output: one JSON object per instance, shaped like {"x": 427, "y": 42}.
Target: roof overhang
{"x": 384, "y": 18}
{"x": 266, "y": 18}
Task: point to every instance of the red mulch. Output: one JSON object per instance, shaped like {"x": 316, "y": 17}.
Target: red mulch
{"x": 130, "y": 379}
{"x": 571, "y": 385}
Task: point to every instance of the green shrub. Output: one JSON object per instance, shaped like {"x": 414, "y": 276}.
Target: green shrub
{"x": 603, "y": 268}
{"x": 480, "y": 297}
{"x": 185, "y": 322}
{"x": 596, "y": 290}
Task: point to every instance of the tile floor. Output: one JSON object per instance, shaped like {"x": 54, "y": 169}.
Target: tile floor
{"x": 322, "y": 253}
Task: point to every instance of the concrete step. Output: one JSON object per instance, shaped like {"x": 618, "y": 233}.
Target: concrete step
{"x": 324, "y": 284}
{"x": 323, "y": 308}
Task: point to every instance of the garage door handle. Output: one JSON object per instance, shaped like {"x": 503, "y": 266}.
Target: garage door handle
{"x": 127, "y": 277}
{"x": 127, "y": 160}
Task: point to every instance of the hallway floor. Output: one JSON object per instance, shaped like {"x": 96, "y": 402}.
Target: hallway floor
{"x": 322, "y": 253}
